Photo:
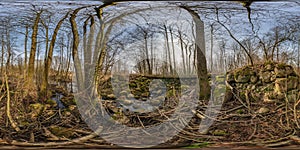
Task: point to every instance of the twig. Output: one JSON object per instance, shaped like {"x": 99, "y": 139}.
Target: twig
{"x": 233, "y": 109}
{"x": 280, "y": 139}
{"x": 295, "y": 139}
{"x": 12, "y": 122}
{"x": 278, "y": 144}
{"x": 295, "y": 114}
{"x": 255, "y": 128}
{"x": 80, "y": 140}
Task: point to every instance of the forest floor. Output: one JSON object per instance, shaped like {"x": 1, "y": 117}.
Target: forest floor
{"x": 27, "y": 123}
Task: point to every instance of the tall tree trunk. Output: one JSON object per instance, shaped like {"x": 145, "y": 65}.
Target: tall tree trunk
{"x": 25, "y": 48}
{"x": 211, "y": 47}
{"x": 30, "y": 75}
{"x": 173, "y": 50}
{"x": 149, "y": 71}
{"x": 168, "y": 49}
{"x": 48, "y": 62}
{"x": 152, "y": 55}
{"x": 77, "y": 63}
{"x": 8, "y": 49}
{"x": 182, "y": 51}
{"x": 201, "y": 59}
{"x": 2, "y": 53}
{"x": 88, "y": 54}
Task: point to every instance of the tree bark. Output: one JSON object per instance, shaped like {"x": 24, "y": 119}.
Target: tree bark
{"x": 182, "y": 51}
{"x": 25, "y": 47}
{"x": 88, "y": 54}
{"x": 48, "y": 61}
{"x": 77, "y": 63}
{"x": 30, "y": 75}
{"x": 204, "y": 86}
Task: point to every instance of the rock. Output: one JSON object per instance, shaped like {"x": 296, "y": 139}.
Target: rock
{"x": 263, "y": 110}
{"x": 253, "y": 79}
{"x": 269, "y": 67}
{"x": 266, "y": 76}
{"x": 220, "y": 79}
{"x": 219, "y": 132}
{"x": 123, "y": 93}
{"x": 155, "y": 102}
{"x": 36, "y": 110}
{"x": 293, "y": 95}
{"x": 242, "y": 78}
{"x": 111, "y": 96}
{"x": 290, "y": 71}
{"x": 136, "y": 106}
{"x": 126, "y": 102}
{"x": 130, "y": 96}
{"x": 72, "y": 107}
{"x": 281, "y": 85}
{"x": 61, "y": 131}
{"x": 280, "y": 71}
{"x": 269, "y": 98}
{"x": 184, "y": 87}
{"x": 145, "y": 94}
{"x": 230, "y": 77}
{"x": 292, "y": 83}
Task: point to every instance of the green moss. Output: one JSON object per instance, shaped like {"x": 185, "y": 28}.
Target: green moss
{"x": 219, "y": 90}
{"x": 219, "y": 132}
{"x": 61, "y": 131}
{"x": 281, "y": 65}
{"x": 51, "y": 102}
{"x": 240, "y": 111}
{"x": 184, "y": 87}
{"x": 269, "y": 62}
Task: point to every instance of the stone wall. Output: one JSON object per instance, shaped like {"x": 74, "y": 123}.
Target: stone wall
{"x": 269, "y": 82}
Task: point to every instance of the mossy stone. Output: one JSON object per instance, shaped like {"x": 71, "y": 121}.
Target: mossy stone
{"x": 61, "y": 131}
{"x": 219, "y": 132}
{"x": 242, "y": 78}
{"x": 280, "y": 72}
{"x": 266, "y": 76}
{"x": 126, "y": 102}
{"x": 155, "y": 102}
{"x": 292, "y": 83}
{"x": 281, "y": 85}
{"x": 36, "y": 109}
{"x": 111, "y": 96}
{"x": 269, "y": 67}
{"x": 267, "y": 98}
{"x": 253, "y": 79}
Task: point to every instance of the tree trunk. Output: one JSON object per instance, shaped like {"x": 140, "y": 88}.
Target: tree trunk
{"x": 30, "y": 75}
{"x": 211, "y": 47}
{"x": 8, "y": 49}
{"x": 77, "y": 63}
{"x": 48, "y": 61}
{"x": 149, "y": 70}
{"x": 182, "y": 52}
{"x": 25, "y": 48}
{"x": 168, "y": 49}
{"x": 88, "y": 54}
{"x": 173, "y": 50}
{"x": 2, "y": 53}
{"x": 200, "y": 53}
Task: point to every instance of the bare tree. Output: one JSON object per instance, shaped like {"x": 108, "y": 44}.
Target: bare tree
{"x": 48, "y": 61}
{"x": 33, "y": 49}
{"x": 200, "y": 53}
